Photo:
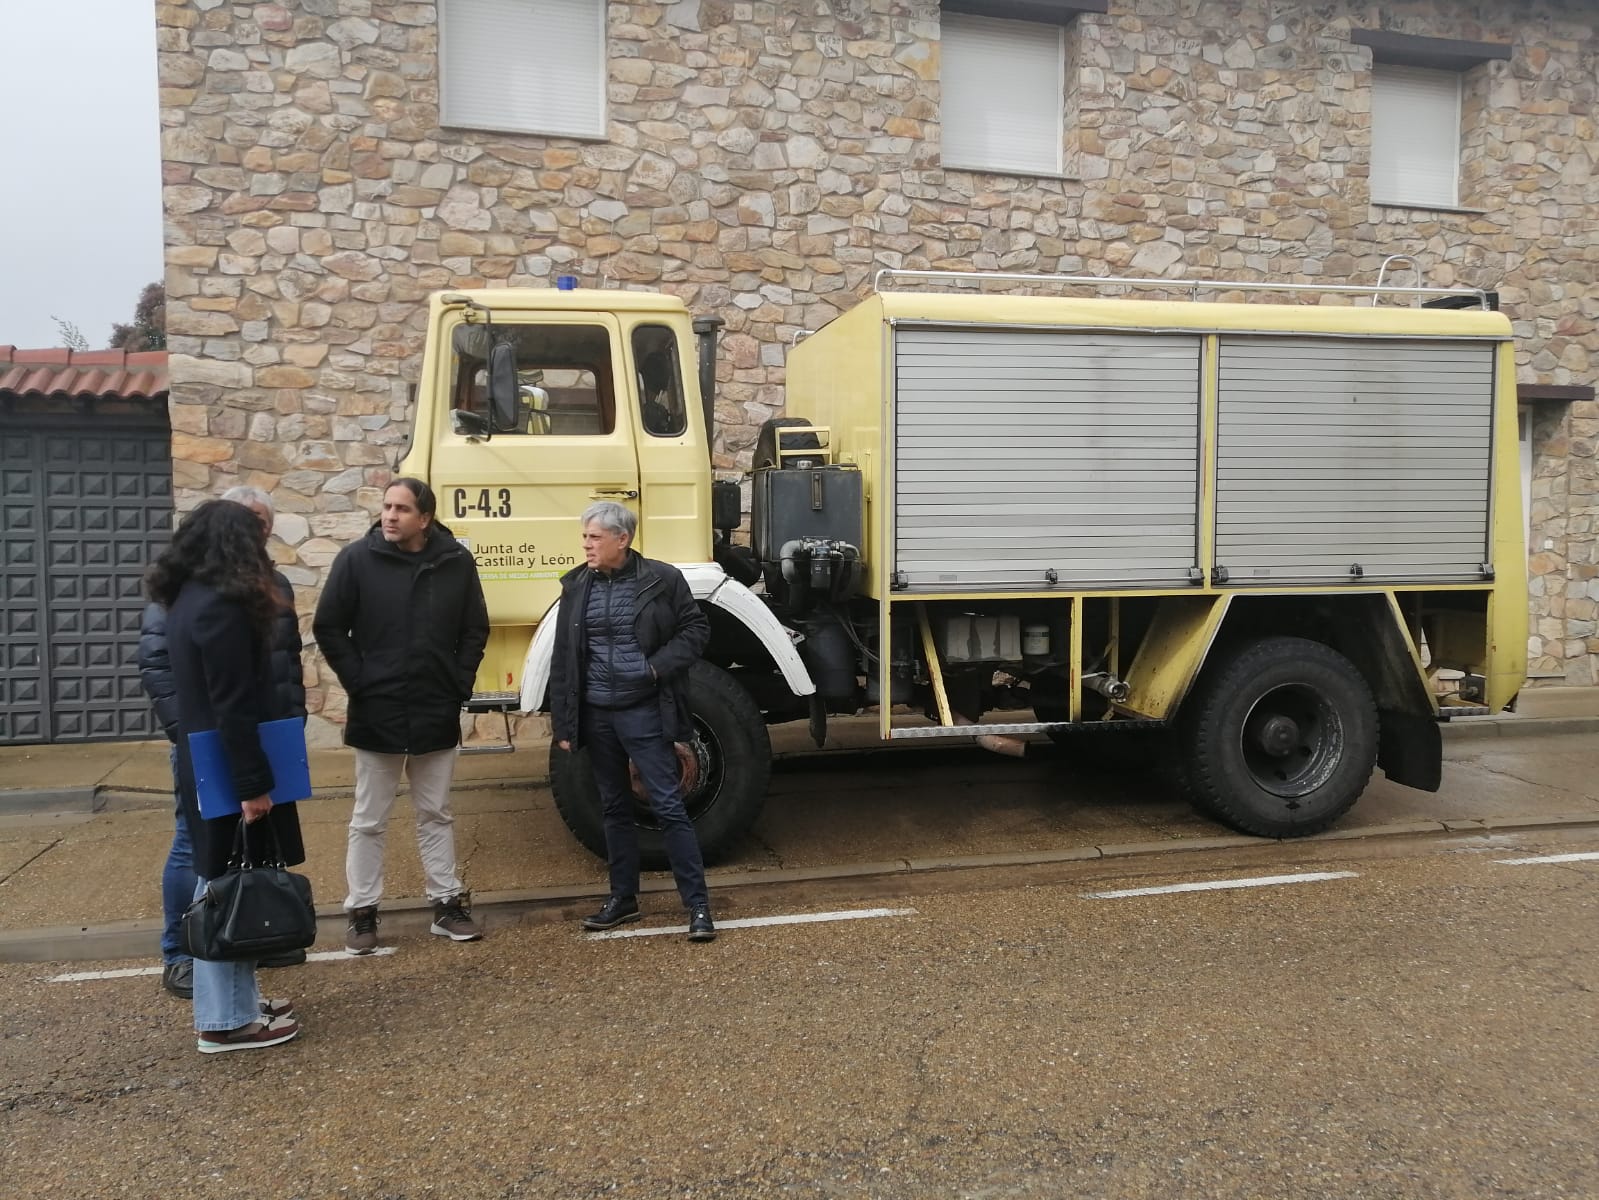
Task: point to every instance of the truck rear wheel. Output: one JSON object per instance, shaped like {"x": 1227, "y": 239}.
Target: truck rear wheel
{"x": 1280, "y": 739}
{"x": 734, "y": 763}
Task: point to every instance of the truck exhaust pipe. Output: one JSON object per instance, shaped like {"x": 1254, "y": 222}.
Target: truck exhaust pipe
{"x": 997, "y": 743}
{"x": 705, "y": 331}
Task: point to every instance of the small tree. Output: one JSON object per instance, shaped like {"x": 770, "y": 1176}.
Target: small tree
{"x": 148, "y": 330}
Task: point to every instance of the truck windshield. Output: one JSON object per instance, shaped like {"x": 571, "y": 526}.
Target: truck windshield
{"x": 565, "y": 381}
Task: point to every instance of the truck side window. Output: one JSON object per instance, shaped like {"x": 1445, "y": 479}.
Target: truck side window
{"x": 660, "y": 382}
{"x": 565, "y": 382}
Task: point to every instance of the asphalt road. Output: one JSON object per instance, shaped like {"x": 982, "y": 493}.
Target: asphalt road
{"x": 1419, "y": 1025}
{"x": 886, "y": 810}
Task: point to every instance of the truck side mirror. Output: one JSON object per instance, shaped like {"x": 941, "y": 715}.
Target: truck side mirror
{"x": 503, "y": 391}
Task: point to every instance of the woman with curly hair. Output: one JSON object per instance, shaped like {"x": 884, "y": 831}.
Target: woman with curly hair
{"x": 215, "y": 581}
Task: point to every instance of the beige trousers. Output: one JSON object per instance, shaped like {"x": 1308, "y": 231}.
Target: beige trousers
{"x": 377, "y": 778}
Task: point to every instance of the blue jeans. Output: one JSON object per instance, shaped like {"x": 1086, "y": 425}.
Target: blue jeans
{"x": 612, "y": 736}
{"x": 177, "y": 878}
{"x": 225, "y": 993}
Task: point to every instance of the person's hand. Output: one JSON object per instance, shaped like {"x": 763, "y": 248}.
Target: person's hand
{"x": 564, "y": 745}
{"x": 254, "y": 810}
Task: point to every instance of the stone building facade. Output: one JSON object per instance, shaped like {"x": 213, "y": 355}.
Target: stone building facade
{"x": 763, "y": 160}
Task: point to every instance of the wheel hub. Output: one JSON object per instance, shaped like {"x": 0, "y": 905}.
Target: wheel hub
{"x": 1279, "y": 735}
{"x": 1292, "y": 740}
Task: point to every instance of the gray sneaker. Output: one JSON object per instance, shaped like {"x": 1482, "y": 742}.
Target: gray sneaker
{"x": 452, "y": 918}
{"x": 362, "y": 935}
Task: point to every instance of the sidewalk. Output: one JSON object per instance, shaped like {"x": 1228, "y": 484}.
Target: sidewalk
{"x": 85, "y": 777}
{"x": 84, "y": 829}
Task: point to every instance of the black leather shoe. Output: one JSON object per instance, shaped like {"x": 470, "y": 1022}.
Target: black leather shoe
{"x": 700, "y": 928}
{"x": 178, "y": 978}
{"x": 618, "y": 910}
{"x": 289, "y": 958}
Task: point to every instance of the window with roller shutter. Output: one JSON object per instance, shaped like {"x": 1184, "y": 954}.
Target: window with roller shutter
{"x": 523, "y": 66}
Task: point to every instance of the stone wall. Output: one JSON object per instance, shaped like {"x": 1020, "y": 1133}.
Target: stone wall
{"x": 765, "y": 159}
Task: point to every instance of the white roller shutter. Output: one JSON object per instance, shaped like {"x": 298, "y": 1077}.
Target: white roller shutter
{"x": 1020, "y": 452}
{"x": 525, "y": 66}
{"x": 1415, "y": 136}
{"x": 1334, "y": 454}
{"x": 1003, "y": 94}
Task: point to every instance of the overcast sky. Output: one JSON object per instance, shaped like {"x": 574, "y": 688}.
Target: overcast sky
{"x": 80, "y": 167}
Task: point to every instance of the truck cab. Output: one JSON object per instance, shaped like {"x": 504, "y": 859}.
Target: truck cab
{"x": 604, "y": 407}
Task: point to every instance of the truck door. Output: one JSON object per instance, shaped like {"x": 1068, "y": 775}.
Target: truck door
{"x": 515, "y": 497}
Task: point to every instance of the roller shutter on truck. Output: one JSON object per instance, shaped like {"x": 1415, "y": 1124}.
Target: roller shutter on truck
{"x": 1023, "y": 452}
{"x": 1340, "y": 459}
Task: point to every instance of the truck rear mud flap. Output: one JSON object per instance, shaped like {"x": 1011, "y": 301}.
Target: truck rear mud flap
{"x": 1410, "y": 749}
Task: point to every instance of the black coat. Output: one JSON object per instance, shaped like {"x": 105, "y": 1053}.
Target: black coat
{"x": 222, "y": 681}
{"x": 288, "y": 678}
{"x": 671, "y": 630}
{"x": 405, "y": 634}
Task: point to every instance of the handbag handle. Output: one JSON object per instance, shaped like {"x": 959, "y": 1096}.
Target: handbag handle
{"x": 241, "y": 847}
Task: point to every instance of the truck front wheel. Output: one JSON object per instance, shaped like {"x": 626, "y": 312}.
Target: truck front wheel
{"x": 1280, "y": 739}
{"x": 734, "y": 762}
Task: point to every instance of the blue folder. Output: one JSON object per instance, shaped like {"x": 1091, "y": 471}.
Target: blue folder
{"x": 284, "y": 744}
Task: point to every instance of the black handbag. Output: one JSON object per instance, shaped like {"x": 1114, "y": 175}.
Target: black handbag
{"x": 253, "y": 910}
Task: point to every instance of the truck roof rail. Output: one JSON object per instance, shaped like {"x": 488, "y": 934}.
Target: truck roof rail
{"x": 1193, "y": 286}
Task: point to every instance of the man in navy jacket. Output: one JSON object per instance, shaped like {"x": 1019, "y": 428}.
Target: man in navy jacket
{"x": 629, "y": 632}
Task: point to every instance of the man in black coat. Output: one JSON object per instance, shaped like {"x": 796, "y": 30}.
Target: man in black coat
{"x": 403, "y": 624}
{"x": 628, "y": 632}
{"x": 288, "y": 700}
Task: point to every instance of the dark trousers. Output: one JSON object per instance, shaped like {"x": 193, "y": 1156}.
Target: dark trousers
{"x": 612, "y": 736}
{"x": 177, "y": 878}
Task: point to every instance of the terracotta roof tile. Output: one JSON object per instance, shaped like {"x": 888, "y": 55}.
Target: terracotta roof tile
{"x": 83, "y": 374}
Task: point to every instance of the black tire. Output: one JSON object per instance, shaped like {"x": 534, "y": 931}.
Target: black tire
{"x": 1280, "y": 739}
{"x": 735, "y": 764}
{"x": 767, "y": 444}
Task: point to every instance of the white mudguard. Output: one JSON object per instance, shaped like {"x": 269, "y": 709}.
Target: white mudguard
{"x": 710, "y": 584}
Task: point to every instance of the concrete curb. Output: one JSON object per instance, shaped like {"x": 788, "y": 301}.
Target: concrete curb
{"x": 50, "y": 800}
{"x": 140, "y": 939}
{"x": 1468, "y": 728}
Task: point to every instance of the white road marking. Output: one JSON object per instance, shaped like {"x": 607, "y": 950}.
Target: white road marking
{"x": 131, "y": 972}
{"x": 854, "y": 914}
{"x": 85, "y": 976}
{"x": 1589, "y": 856}
{"x": 1220, "y": 884}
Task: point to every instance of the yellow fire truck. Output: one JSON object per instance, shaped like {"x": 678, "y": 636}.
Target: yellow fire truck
{"x": 1279, "y": 524}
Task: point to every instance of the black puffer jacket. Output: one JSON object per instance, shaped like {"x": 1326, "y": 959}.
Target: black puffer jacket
{"x": 288, "y": 678}
{"x": 670, "y": 630}
{"x": 405, "y": 634}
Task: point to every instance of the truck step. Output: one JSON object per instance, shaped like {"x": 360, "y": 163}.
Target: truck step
{"x": 927, "y": 731}
{"x": 502, "y": 703}
{"x": 493, "y": 702}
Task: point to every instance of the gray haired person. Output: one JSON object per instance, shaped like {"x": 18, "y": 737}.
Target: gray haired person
{"x": 628, "y": 632}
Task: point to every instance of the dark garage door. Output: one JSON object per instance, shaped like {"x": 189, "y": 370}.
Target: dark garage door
{"x": 84, "y": 512}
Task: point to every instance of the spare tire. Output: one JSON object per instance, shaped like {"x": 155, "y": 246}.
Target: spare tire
{"x": 766, "y": 446}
